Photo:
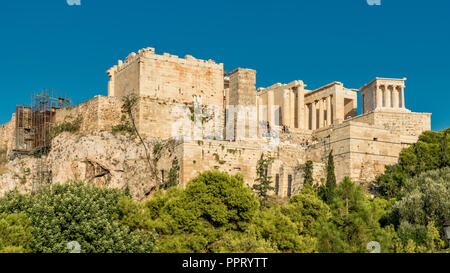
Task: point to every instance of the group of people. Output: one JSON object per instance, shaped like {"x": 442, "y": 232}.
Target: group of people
{"x": 270, "y": 133}
{"x": 285, "y": 129}
{"x": 306, "y": 144}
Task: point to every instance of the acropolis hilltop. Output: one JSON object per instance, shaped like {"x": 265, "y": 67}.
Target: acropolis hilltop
{"x": 208, "y": 119}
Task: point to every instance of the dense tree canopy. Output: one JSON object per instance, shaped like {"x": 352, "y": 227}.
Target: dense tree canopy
{"x": 62, "y": 213}
{"x": 15, "y": 233}
{"x": 430, "y": 152}
{"x": 424, "y": 199}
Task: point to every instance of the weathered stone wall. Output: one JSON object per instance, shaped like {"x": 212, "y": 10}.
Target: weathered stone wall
{"x": 242, "y": 157}
{"x": 407, "y": 124}
{"x": 165, "y": 119}
{"x": 168, "y": 77}
{"x": 7, "y": 137}
{"x": 362, "y": 146}
{"x": 99, "y": 113}
{"x": 233, "y": 157}
{"x": 402, "y": 123}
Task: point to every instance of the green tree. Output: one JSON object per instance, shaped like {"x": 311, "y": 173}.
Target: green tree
{"x": 444, "y": 158}
{"x": 239, "y": 242}
{"x": 277, "y": 228}
{"x": 263, "y": 181}
{"x": 430, "y": 152}
{"x": 192, "y": 220}
{"x": 355, "y": 222}
{"x": 424, "y": 199}
{"x": 331, "y": 179}
{"x": 172, "y": 179}
{"x": 15, "y": 233}
{"x": 307, "y": 175}
{"x": 73, "y": 211}
{"x": 392, "y": 181}
{"x": 307, "y": 211}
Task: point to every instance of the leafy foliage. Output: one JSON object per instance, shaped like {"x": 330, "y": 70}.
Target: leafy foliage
{"x": 123, "y": 127}
{"x": 355, "y": 222}
{"x": 217, "y": 212}
{"x": 70, "y": 124}
{"x": 307, "y": 174}
{"x": 430, "y": 152}
{"x": 61, "y": 213}
{"x": 15, "y": 233}
{"x": 331, "y": 179}
{"x": 424, "y": 200}
{"x": 172, "y": 179}
{"x": 191, "y": 220}
{"x": 263, "y": 181}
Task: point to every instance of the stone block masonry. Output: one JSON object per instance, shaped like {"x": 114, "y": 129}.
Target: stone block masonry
{"x": 293, "y": 125}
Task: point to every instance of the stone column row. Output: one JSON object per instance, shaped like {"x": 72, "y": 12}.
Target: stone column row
{"x": 323, "y": 104}
{"x": 384, "y": 94}
{"x": 289, "y": 97}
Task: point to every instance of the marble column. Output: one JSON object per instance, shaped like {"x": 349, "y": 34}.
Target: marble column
{"x": 259, "y": 115}
{"x": 378, "y": 97}
{"x": 270, "y": 109}
{"x": 300, "y": 107}
{"x": 402, "y": 92}
{"x": 321, "y": 113}
{"x": 307, "y": 117}
{"x": 285, "y": 108}
{"x": 313, "y": 116}
{"x": 329, "y": 122}
{"x": 338, "y": 105}
{"x": 387, "y": 96}
{"x": 291, "y": 109}
{"x": 395, "y": 101}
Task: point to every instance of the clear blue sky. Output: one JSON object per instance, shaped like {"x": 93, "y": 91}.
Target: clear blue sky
{"x": 48, "y": 43}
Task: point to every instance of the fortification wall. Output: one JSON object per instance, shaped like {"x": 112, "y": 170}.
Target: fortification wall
{"x": 7, "y": 137}
{"x": 361, "y": 150}
{"x": 399, "y": 122}
{"x": 127, "y": 79}
{"x": 165, "y": 119}
{"x": 242, "y": 157}
{"x": 99, "y": 113}
{"x": 168, "y": 77}
{"x": 232, "y": 157}
{"x": 407, "y": 124}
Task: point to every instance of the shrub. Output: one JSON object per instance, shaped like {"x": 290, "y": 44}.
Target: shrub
{"x": 70, "y": 124}
{"x": 73, "y": 211}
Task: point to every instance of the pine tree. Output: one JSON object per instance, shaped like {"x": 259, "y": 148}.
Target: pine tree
{"x": 172, "y": 179}
{"x": 444, "y": 159}
{"x": 331, "y": 179}
{"x": 307, "y": 175}
{"x": 263, "y": 182}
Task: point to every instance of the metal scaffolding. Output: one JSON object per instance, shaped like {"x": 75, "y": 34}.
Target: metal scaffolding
{"x": 33, "y": 130}
{"x": 24, "y": 131}
{"x": 43, "y": 107}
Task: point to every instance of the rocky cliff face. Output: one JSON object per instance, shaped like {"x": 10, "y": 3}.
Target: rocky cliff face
{"x": 102, "y": 158}
{"x": 16, "y": 174}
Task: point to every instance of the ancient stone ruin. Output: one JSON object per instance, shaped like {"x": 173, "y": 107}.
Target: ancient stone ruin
{"x": 190, "y": 110}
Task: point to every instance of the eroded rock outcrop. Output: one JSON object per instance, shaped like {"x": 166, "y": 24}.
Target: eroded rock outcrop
{"x": 101, "y": 158}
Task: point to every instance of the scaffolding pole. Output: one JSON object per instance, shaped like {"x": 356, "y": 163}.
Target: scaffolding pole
{"x": 34, "y": 124}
